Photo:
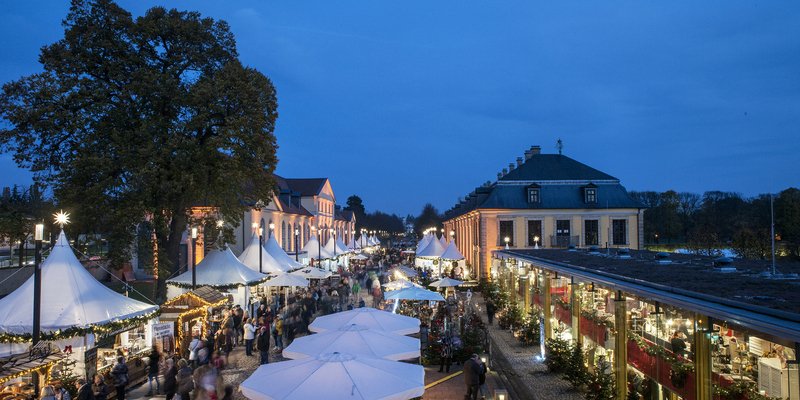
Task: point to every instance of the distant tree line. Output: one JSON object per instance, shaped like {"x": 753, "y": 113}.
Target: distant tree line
{"x": 705, "y": 223}
{"x": 376, "y": 220}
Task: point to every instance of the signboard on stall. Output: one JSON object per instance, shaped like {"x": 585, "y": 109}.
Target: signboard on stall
{"x": 164, "y": 337}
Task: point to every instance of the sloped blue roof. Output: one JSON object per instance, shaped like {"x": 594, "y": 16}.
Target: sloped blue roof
{"x": 559, "y": 196}
{"x": 554, "y": 167}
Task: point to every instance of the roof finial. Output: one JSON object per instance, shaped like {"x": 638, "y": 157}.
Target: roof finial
{"x": 559, "y": 146}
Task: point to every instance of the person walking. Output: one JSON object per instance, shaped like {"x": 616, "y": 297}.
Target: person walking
{"x": 356, "y": 288}
{"x": 472, "y": 373}
{"x": 194, "y": 345}
{"x": 47, "y": 393}
{"x": 277, "y": 332}
{"x": 249, "y": 336}
{"x": 490, "y": 309}
{"x": 482, "y": 378}
{"x": 152, "y": 372}
{"x": 262, "y": 343}
{"x": 446, "y": 355}
{"x": 120, "y": 375}
{"x": 170, "y": 379}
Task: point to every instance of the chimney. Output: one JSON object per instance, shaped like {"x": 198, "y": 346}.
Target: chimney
{"x": 536, "y": 150}
{"x": 528, "y": 155}
{"x": 511, "y": 166}
{"x": 519, "y": 161}
{"x": 505, "y": 171}
{"x": 499, "y": 175}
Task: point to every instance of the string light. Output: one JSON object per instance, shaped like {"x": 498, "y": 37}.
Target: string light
{"x": 61, "y": 218}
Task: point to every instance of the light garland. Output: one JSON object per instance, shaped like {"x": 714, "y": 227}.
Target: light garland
{"x": 59, "y": 334}
{"x": 196, "y": 312}
{"x": 21, "y": 374}
{"x": 219, "y": 287}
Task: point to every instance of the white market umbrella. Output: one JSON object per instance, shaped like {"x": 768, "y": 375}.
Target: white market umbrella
{"x": 219, "y": 268}
{"x": 414, "y": 293}
{"x": 409, "y": 272}
{"x": 452, "y": 253}
{"x": 359, "y": 257}
{"x": 373, "y": 318}
{"x": 275, "y": 250}
{"x": 446, "y": 282}
{"x": 71, "y": 297}
{"x": 312, "y": 273}
{"x": 335, "y": 376}
{"x": 314, "y": 251}
{"x": 269, "y": 265}
{"x": 357, "y": 340}
{"x": 287, "y": 280}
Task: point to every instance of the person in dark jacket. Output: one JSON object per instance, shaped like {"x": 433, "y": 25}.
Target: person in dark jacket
{"x": 185, "y": 380}
{"x": 170, "y": 379}
{"x": 120, "y": 375}
{"x": 152, "y": 372}
{"x": 84, "y": 390}
{"x": 472, "y": 372}
{"x": 490, "y": 309}
{"x": 262, "y": 344}
{"x": 99, "y": 388}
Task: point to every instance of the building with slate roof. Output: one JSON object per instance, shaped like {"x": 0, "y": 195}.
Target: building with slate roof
{"x": 546, "y": 201}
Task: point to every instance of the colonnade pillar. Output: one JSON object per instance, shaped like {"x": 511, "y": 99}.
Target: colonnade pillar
{"x": 575, "y": 308}
{"x": 701, "y": 349}
{"x": 548, "y": 312}
{"x": 621, "y": 346}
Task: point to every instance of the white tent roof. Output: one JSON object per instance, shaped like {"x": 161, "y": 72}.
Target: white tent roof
{"x": 446, "y": 282}
{"x": 312, "y": 273}
{"x": 275, "y": 250}
{"x": 443, "y": 241}
{"x": 313, "y": 250}
{"x": 414, "y": 293}
{"x": 220, "y": 268}
{"x": 335, "y": 376}
{"x": 363, "y": 241}
{"x": 398, "y": 284}
{"x": 358, "y": 340}
{"x": 71, "y": 297}
{"x": 423, "y": 242}
{"x": 373, "y": 318}
{"x": 341, "y": 248}
{"x": 434, "y": 249}
{"x": 269, "y": 264}
{"x": 329, "y": 248}
{"x": 353, "y": 245}
{"x": 287, "y": 280}
{"x": 359, "y": 257}
{"x": 452, "y": 253}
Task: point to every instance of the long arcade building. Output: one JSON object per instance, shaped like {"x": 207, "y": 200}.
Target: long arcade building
{"x": 674, "y": 329}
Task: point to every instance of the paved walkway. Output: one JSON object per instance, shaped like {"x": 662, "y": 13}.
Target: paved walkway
{"x": 526, "y": 375}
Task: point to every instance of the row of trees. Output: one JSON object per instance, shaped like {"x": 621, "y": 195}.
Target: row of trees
{"x": 708, "y": 222}
{"x": 376, "y": 220}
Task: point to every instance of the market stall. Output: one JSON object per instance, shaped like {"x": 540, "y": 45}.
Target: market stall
{"x": 221, "y": 270}
{"x": 194, "y": 312}
{"x": 78, "y": 314}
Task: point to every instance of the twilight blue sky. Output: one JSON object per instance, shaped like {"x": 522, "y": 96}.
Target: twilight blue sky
{"x": 415, "y": 101}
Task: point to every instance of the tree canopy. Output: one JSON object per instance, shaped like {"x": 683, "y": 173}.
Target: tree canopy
{"x": 429, "y": 217}
{"x": 143, "y": 118}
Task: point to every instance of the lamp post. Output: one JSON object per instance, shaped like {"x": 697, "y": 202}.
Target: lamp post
{"x": 536, "y": 242}
{"x": 255, "y": 226}
{"x": 452, "y": 236}
{"x": 296, "y": 245}
{"x": 194, "y": 257}
{"x": 506, "y": 239}
{"x": 319, "y": 247}
{"x": 271, "y": 227}
{"x": 38, "y": 236}
{"x": 333, "y": 237}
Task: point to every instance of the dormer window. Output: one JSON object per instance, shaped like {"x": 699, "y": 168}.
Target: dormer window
{"x": 534, "y": 194}
{"x": 590, "y": 194}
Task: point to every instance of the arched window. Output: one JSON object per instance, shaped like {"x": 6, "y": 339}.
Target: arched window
{"x": 283, "y": 235}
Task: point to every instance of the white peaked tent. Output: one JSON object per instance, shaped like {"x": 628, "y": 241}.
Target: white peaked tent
{"x": 357, "y": 340}
{"x": 220, "y": 269}
{"x": 370, "y": 317}
{"x": 341, "y": 248}
{"x": 287, "y": 280}
{"x": 71, "y": 297}
{"x": 377, "y": 241}
{"x": 269, "y": 265}
{"x": 275, "y": 250}
{"x": 353, "y": 245}
{"x": 335, "y": 376}
{"x": 423, "y": 243}
{"x": 363, "y": 241}
{"x": 452, "y": 253}
{"x": 443, "y": 241}
{"x": 313, "y": 250}
{"x": 330, "y": 246}
{"x": 434, "y": 249}
{"x": 373, "y": 240}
